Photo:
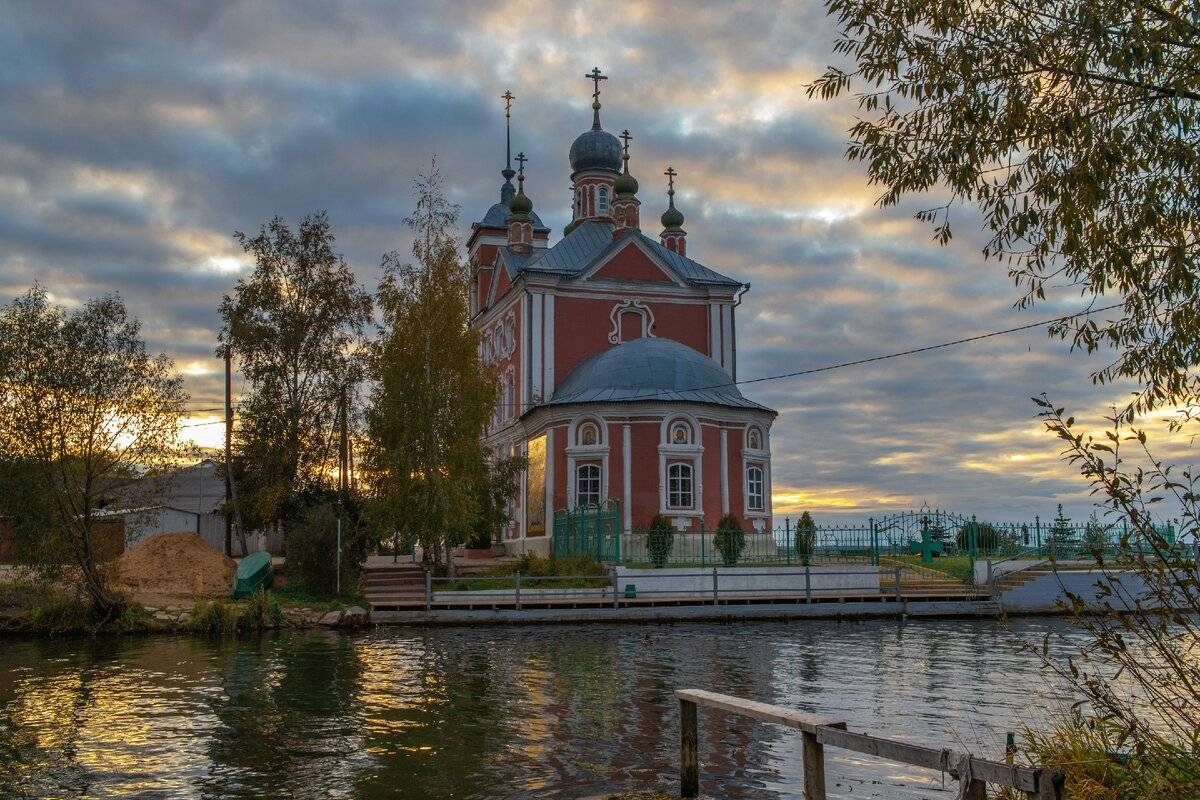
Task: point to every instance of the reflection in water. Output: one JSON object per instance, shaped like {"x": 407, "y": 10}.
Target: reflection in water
{"x": 499, "y": 712}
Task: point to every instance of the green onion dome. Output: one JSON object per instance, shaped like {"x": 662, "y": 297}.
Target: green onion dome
{"x": 625, "y": 185}
{"x": 672, "y": 218}
{"x": 521, "y": 205}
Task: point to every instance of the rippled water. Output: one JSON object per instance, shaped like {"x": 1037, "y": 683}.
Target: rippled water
{"x": 559, "y": 712}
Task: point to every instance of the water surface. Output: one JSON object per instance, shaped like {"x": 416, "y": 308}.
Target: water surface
{"x": 506, "y": 712}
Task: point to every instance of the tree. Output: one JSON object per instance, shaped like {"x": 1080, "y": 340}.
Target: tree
{"x": 660, "y": 538}
{"x": 1072, "y": 126}
{"x": 88, "y": 412}
{"x": 730, "y": 540}
{"x": 1060, "y": 534}
{"x": 296, "y": 328}
{"x": 432, "y": 396}
{"x": 498, "y": 486}
{"x": 806, "y": 536}
{"x": 1153, "y": 710}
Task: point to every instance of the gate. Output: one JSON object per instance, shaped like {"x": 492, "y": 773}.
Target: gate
{"x": 589, "y": 531}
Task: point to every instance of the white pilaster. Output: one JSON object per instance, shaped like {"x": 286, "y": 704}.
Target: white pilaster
{"x": 627, "y": 478}
{"x": 727, "y": 338}
{"x": 523, "y": 374}
{"x": 714, "y": 332}
{"x": 548, "y": 346}
{"x": 550, "y": 481}
{"x": 724, "y": 471}
{"x": 535, "y": 362}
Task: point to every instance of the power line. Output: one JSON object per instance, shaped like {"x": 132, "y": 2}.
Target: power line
{"x": 873, "y": 359}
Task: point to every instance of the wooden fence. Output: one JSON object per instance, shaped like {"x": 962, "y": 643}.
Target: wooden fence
{"x": 817, "y": 732}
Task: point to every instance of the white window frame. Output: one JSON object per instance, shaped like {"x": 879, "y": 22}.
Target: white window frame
{"x": 756, "y": 496}
{"x": 593, "y": 474}
{"x": 601, "y": 201}
{"x": 681, "y": 482}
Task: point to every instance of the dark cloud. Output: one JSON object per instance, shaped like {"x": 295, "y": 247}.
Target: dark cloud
{"x": 135, "y": 137}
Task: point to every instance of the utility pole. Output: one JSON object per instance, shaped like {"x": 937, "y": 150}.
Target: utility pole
{"x": 228, "y": 450}
{"x": 343, "y": 476}
{"x": 230, "y": 484}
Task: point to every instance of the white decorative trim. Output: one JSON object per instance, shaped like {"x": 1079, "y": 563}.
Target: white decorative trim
{"x": 714, "y": 332}
{"x": 724, "y": 471}
{"x": 638, "y": 307}
{"x": 548, "y": 354}
{"x": 727, "y": 338}
{"x": 549, "y": 489}
{"x": 535, "y": 335}
{"x": 627, "y": 477}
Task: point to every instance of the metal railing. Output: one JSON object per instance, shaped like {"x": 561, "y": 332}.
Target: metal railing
{"x": 713, "y": 585}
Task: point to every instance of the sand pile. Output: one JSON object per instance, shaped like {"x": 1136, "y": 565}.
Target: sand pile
{"x": 176, "y": 565}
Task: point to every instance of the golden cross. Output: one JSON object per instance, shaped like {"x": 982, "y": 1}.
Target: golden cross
{"x": 595, "y": 78}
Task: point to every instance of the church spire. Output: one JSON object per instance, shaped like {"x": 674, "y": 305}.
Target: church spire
{"x": 506, "y": 190}
{"x": 595, "y": 77}
{"x": 673, "y": 235}
{"x": 625, "y": 203}
{"x": 519, "y": 222}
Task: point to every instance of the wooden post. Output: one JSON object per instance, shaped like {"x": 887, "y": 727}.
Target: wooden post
{"x": 714, "y": 586}
{"x": 897, "y": 584}
{"x": 428, "y": 589}
{"x": 689, "y": 756}
{"x": 616, "y": 586}
{"x": 976, "y": 790}
{"x": 814, "y": 766}
{"x": 807, "y": 583}
{"x": 518, "y": 592}
{"x": 1050, "y": 783}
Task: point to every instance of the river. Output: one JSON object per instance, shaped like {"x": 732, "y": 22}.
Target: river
{"x": 507, "y": 712}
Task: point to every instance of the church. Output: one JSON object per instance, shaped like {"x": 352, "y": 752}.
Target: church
{"x": 617, "y": 355}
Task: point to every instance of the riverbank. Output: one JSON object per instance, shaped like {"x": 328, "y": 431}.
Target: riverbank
{"x": 35, "y": 610}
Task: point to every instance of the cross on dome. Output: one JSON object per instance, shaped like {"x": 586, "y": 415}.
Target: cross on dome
{"x": 595, "y": 77}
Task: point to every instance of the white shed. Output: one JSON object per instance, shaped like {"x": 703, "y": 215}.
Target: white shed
{"x": 142, "y": 523}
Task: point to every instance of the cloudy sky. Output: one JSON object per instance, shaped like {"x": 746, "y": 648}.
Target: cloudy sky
{"x": 135, "y": 137}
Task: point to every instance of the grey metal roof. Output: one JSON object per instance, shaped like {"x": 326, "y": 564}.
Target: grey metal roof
{"x": 590, "y": 242}
{"x": 497, "y": 214}
{"x": 651, "y": 369}
{"x": 595, "y": 149}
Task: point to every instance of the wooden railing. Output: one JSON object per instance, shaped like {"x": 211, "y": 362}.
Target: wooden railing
{"x": 817, "y": 732}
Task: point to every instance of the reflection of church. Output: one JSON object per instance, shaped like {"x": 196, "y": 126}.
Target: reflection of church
{"x": 617, "y": 356}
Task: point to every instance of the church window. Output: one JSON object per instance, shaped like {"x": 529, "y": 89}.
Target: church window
{"x": 603, "y": 203}
{"x": 755, "y": 488}
{"x": 510, "y": 399}
{"x": 681, "y": 433}
{"x": 754, "y": 439}
{"x": 587, "y": 485}
{"x": 589, "y": 434}
{"x": 679, "y": 486}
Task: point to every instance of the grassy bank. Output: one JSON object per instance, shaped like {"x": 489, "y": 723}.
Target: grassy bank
{"x": 35, "y": 609}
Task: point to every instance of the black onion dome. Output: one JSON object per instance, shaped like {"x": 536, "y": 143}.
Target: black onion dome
{"x": 596, "y": 149}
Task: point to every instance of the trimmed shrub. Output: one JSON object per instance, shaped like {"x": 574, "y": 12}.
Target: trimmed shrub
{"x": 806, "y": 537}
{"x": 730, "y": 540}
{"x": 659, "y": 540}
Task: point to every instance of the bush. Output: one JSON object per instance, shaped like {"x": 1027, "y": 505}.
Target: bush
{"x": 216, "y": 617}
{"x": 312, "y": 550}
{"x": 987, "y": 537}
{"x": 660, "y": 538}
{"x": 730, "y": 540}
{"x": 63, "y": 613}
{"x": 226, "y": 618}
{"x": 806, "y": 536}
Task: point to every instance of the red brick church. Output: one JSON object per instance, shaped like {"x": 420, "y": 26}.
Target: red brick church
{"x": 617, "y": 356}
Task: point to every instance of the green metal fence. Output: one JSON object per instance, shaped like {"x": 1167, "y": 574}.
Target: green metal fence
{"x": 926, "y": 536}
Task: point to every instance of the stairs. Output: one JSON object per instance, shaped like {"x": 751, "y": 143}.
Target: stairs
{"x": 917, "y": 580}
{"x": 393, "y": 584}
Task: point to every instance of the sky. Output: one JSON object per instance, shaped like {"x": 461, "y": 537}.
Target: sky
{"x": 136, "y": 137}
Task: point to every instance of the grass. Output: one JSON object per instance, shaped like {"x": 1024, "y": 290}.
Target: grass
{"x": 1094, "y": 768}
{"x": 296, "y": 595}
{"x": 957, "y": 567}
{"x": 260, "y": 611}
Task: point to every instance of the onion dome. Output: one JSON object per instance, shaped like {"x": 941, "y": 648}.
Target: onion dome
{"x": 672, "y": 218}
{"x": 521, "y": 205}
{"x": 625, "y": 185}
{"x": 596, "y": 149}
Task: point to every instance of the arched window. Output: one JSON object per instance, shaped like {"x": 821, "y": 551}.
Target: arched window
{"x": 587, "y": 485}
{"x": 602, "y": 207}
{"x": 510, "y": 396}
{"x": 754, "y": 439}
{"x": 681, "y": 433}
{"x": 578, "y": 203}
{"x": 679, "y": 486}
{"x": 755, "y": 488}
{"x": 588, "y": 434}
